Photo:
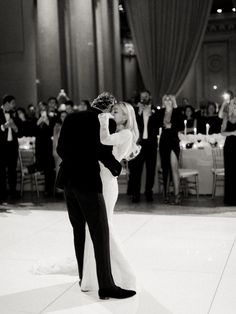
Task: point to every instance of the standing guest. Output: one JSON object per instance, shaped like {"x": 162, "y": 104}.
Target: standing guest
{"x": 43, "y": 150}
{"x": 69, "y": 106}
{"x": 52, "y": 104}
{"x": 189, "y": 116}
{"x": 56, "y": 134}
{"x": 23, "y": 122}
{"x": 9, "y": 148}
{"x": 32, "y": 119}
{"x": 31, "y": 111}
{"x": 228, "y": 96}
{"x": 229, "y": 130}
{"x": 172, "y": 123}
{"x": 84, "y": 105}
{"x": 148, "y": 123}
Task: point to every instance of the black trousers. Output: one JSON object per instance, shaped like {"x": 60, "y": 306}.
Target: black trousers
{"x": 8, "y": 164}
{"x": 148, "y": 156}
{"x": 89, "y": 207}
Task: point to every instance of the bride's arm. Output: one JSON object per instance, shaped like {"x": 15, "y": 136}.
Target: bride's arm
{"x": 105, "y": 136}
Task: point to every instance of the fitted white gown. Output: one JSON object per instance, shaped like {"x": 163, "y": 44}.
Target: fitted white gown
{"x": 121, "y": 270}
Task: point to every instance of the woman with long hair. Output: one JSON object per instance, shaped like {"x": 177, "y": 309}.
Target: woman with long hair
{"x": 172, "y": 124}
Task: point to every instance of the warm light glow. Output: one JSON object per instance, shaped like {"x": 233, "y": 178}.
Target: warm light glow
{"x": 121, "y": 8}
{"x": 219, "y": 10}
{"x": 215, "y": 87}
{"x": 234, "y": 9}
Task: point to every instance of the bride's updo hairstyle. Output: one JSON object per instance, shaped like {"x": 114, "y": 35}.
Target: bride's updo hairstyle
{"x": 131, "y": 124}
{"x": 104, "y": 101}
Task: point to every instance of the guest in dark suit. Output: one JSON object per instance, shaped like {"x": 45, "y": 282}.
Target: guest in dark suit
{"x": 80, "y": 149}
{"x": 9, "y": 148}
{"x": 148, "y": 123}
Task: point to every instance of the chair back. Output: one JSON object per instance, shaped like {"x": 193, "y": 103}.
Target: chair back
{"x": 218, "y": 158}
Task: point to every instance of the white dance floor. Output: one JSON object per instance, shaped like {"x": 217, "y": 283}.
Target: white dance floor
{"x": 185, "y": 263}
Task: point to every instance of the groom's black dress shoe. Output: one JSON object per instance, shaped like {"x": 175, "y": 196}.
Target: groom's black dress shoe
{"x": 115, "y": 292}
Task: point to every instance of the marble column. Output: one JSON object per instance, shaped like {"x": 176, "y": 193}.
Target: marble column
{"x": 17, "y": 51}
{"x": 108, "y": 46}
{"x": 81, "y": 50}
{"x": 48, "y": 49}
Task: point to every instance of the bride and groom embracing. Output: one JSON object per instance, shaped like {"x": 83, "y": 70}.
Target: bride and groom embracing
{"x": 91, "y": 146}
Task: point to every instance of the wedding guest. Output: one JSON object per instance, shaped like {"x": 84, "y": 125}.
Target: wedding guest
{"x": 189, "y": 116}
{"x": 56, "y": 134}
{"x": 228, "y": 96}
{"x": 147, "y": 117}
{"x": 22, "y": 122}
{"x": 52, "y": 104}
{"x": 229, "y": 130}
{"x": 69, "y": 106}
{"x": 169, "y": 148}
{"x": 212, "y": 119}
{"x": 43, "y": 150}
{"x": 84, "y": 105}
{"x": 9, "y": 148}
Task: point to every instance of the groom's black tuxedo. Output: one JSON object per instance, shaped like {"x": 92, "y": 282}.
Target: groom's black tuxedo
{"x": 80, "y": 149}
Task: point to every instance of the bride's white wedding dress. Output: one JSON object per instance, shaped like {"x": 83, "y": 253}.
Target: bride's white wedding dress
{"x": 121, "y": 270}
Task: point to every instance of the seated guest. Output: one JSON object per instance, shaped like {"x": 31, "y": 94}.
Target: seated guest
{"x": 212, "y": 119}
{"x": 9, "y": 148}
{"x": 189, "y": 115}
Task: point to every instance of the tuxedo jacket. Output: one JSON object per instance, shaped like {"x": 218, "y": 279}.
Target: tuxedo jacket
{"x": 80, "y": 149}
{"x": 4, "y": 134}
{"x": 152, "y": 125}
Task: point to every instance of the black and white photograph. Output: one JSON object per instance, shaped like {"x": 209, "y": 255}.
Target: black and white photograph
{"x": 117, "y": 156}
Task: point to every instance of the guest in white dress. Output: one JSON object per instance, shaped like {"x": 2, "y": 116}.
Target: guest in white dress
{"x": 124, "y": 147}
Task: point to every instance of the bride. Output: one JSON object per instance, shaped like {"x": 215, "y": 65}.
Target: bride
{"x": 124, "y": 147}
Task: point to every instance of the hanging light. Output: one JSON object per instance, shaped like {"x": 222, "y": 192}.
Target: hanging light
{"x": 219, "y": 10}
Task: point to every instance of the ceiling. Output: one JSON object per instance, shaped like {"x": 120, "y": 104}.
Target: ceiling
{"x": 225, "y": 5}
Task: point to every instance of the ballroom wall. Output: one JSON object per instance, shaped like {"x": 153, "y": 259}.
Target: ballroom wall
{"x": 216, "y": 63}
{"x": 17, "y": 50}
{"x": 75, "y": 45}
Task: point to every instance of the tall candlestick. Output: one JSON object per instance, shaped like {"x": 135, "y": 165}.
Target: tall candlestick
{"x": 207, "y": 128}
{"x": 160, "y": 131}
{"x": 185, "y": 127}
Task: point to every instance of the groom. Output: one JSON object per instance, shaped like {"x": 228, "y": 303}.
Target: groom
{"x": 80, "y": 149}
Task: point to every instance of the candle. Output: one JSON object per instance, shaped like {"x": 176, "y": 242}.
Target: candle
{"x": 160, "y": 131}
{"x": 185, "y": 127}
{"x": 195, "y": 131}
{"x": 207, "y": 128}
